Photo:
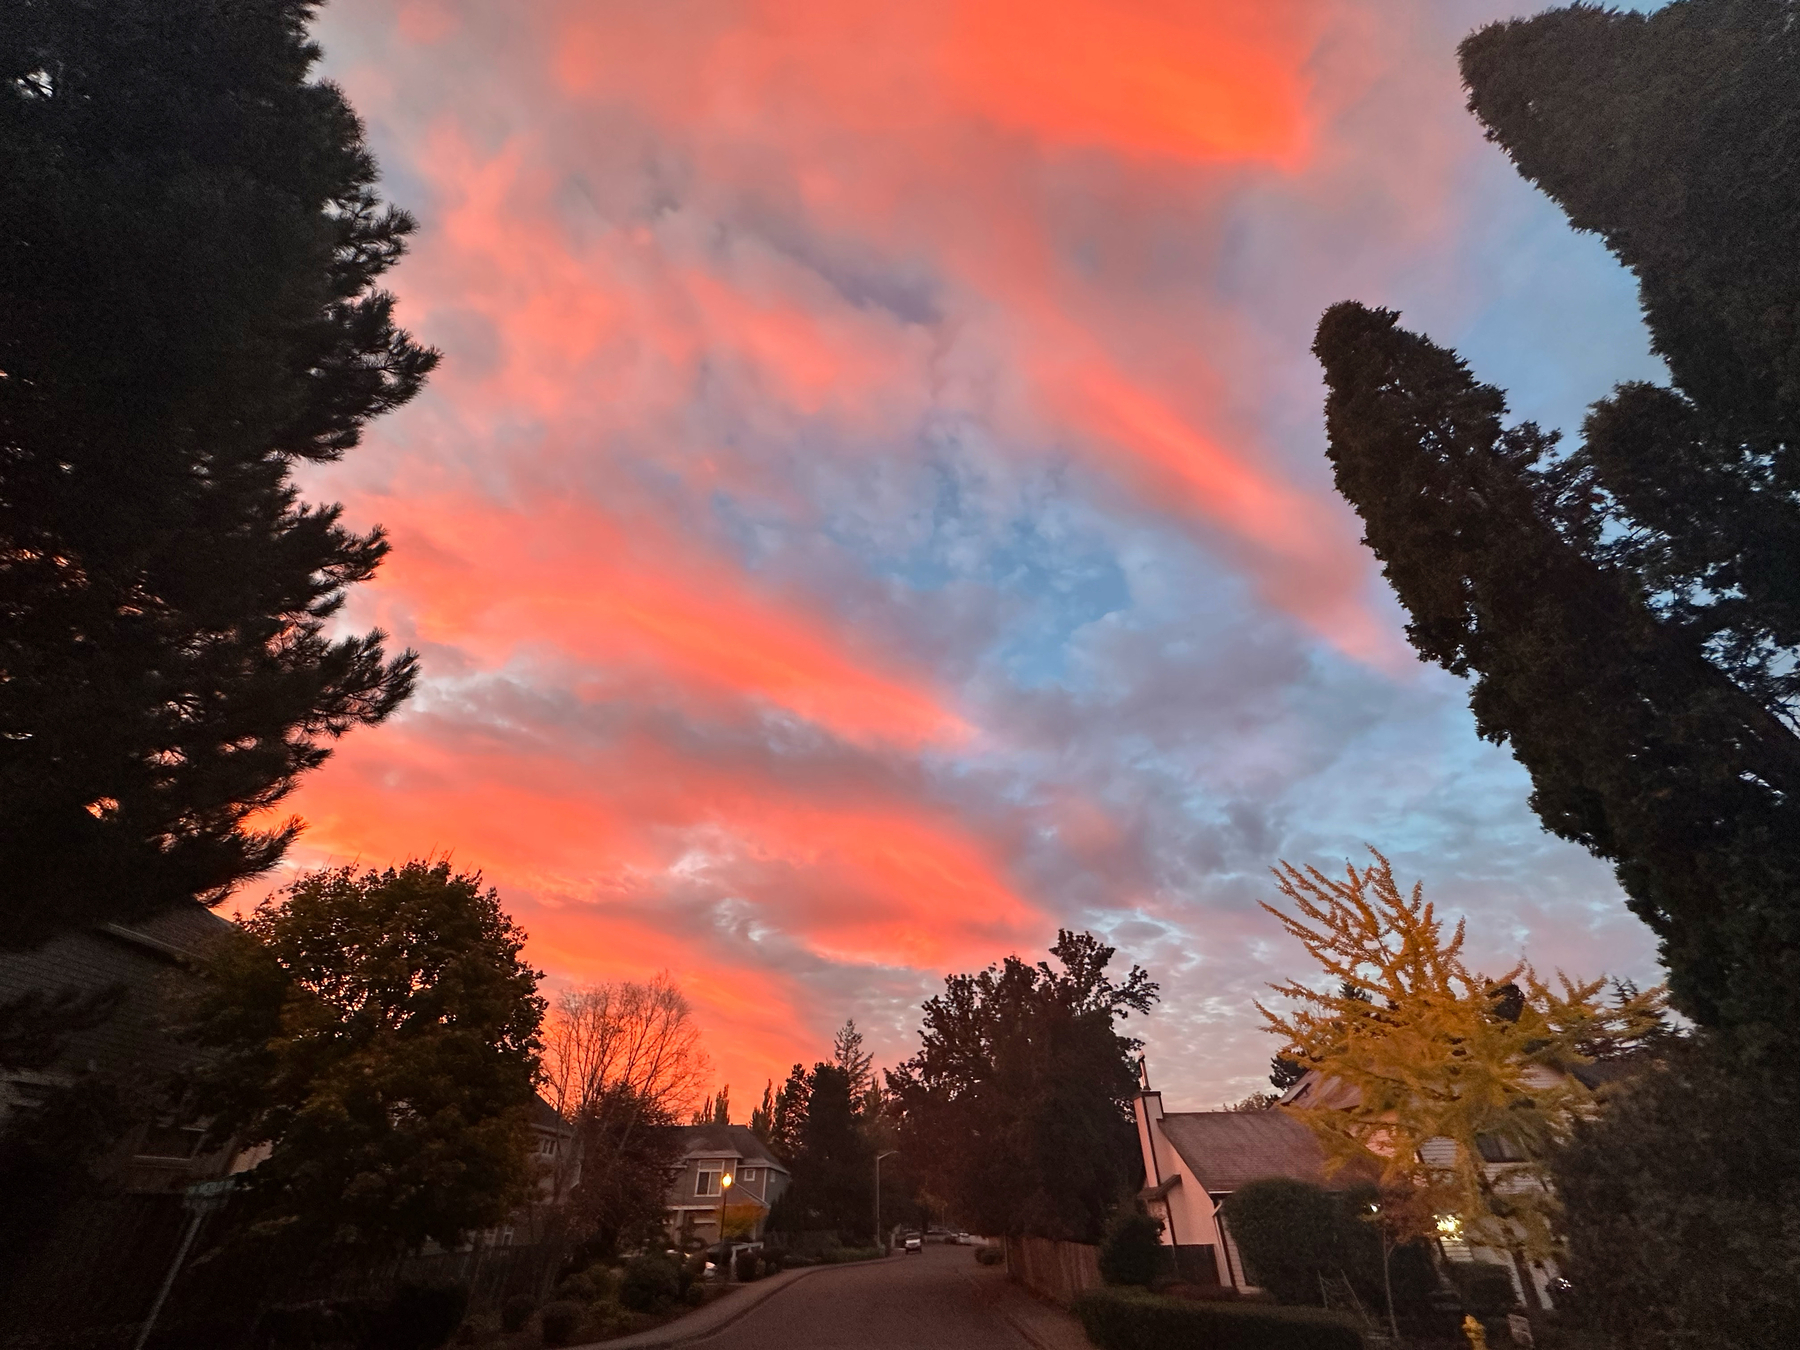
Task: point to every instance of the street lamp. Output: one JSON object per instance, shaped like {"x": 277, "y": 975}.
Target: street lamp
{"x": 724, "y": 1251}
{"x": 878, "y": 1234}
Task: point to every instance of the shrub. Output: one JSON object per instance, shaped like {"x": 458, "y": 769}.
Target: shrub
{"x": 832, "y": 1256}
{"x": 1288, "y": 1234}
{"x": 649, "y": 1280}
{"x": 1486, "y": 1287}
{"x": 561, "y": 1321}
{"x": 1129, "y": 1319}
{"x": 1131, "y": 1251}
{"x": 516, "y": 1312}
{"x": 691, "y": 1269}
{"x": 748, "y": 1265}
{"x": 990, "y": 1256}
{"x": 695, "y": 1295}
{"x": 419, "y": 1317}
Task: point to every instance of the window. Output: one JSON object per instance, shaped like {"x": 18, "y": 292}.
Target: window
{"x": 707, "y": 1181}
{"x": 747, "y": 1174}
{"x": 1499, "y": 1148}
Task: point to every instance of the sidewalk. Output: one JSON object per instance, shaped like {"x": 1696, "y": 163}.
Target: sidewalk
{"x": 721, "y": 1312}
{"x": 1044, "y": 1324}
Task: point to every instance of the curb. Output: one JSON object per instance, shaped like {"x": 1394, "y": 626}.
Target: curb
{"x": 675, "y": 1334}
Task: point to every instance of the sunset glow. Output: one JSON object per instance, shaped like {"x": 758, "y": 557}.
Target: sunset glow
{"x": 872, "y": 507}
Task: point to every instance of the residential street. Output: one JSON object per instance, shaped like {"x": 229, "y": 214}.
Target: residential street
{"x": 938, "y": 1299}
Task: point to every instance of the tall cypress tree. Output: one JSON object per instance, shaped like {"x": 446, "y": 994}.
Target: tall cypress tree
{"x": 1630, "y": 610}
{"x": 189, "y": 241}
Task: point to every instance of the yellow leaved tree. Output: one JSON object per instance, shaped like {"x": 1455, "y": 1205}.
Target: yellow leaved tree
{"x": 1451, "y": 1084}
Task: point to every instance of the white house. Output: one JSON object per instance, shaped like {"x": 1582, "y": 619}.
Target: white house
{"x": 1194, "y": 1159}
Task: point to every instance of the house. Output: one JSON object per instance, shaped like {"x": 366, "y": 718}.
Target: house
{"x": 129, "y": 978}
{"x": 726, "y": 1184}
{"x": 1193, "y": 1160}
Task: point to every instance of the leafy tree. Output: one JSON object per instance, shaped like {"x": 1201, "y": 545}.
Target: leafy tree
{"x": 380, "y": 1033}
{"x": 833, "y": 1166}
{"x": 189, "y": 244}
{"x": 1433, "y": 1051}
{"x": 1016, "y": 1109}
{"x": 1681, "y": 1207}
{"x": 1285, "y": 1072}
{"x": 715, "y": 1110}
{"x": 622, "y": 1061}
{"x": 1630, "y": 610}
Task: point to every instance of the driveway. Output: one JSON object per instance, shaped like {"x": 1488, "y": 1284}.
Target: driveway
{"x": 938, "y": 1300}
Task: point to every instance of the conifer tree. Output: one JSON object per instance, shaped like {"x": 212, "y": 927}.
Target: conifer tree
{"x": 190, "y": 240}
{"x": 1436, "y": 1052}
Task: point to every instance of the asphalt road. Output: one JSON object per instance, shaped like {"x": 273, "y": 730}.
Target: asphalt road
{"x": 931, "y": 1301}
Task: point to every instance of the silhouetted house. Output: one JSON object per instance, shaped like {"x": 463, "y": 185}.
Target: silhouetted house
{"x": 108, "y": 994}
{"x": 726, "y": 1184}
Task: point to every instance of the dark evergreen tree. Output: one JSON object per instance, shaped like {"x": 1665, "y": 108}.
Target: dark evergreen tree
{"x": 833, "y": 1167}
{"x": 791, "y": 1105}
{"x": 189, "y": 244}
{"x": 1016, "y": 1111}
{"x": 1629, "y": 611}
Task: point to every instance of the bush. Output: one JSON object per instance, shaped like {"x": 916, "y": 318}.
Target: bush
{"x": 832, "y": 1256}
{"x": 516, "y": 1312}
{"x": 1289, "y": 1233}
{"x": 1131, "y": 1251}
{"x": 561, "y": 1321}
{"x": 1128, "y": 1319}
{"x": 1678, "y": 1234}
{"x": 990, "y": 1256}
{"x": 1486, "y": 1287}
{"x": 419, "y": 1317}
{"x": 695, "y": 1295}
{"x": 748, "y": 1266}
{"x": 691, "y": 1269}
{"x": 650, "y": 1280}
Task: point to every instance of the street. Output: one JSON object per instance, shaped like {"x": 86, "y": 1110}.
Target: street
{"x": 931, "y": 1301}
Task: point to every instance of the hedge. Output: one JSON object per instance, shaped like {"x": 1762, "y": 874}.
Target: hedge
{"x": 1129, "y": 1319}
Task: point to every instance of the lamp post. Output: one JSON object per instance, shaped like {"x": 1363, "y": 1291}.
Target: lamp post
{"x": 724, "y": 1195}
{"x": 878, "y": 1234}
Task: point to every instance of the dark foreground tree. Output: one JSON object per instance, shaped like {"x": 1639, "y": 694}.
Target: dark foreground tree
{"x": 1681, "y": 1204}
{"x": 380, "y": 1033}
{"x": 1630, "y": 611}
{"x": 1017, "y": 1109}
{"x": 189, "y": 241}
{"x": 832, "y": 1163}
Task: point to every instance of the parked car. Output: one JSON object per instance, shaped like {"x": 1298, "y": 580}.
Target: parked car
{"x": 963, "y": 1240}
{"x": 913, "y": 1242}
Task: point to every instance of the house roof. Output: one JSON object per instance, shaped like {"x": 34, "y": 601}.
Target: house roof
{"x": 726, "y": 1141}
{"x": 1228, "y": 1149}
{"x": 547, "y": 1118}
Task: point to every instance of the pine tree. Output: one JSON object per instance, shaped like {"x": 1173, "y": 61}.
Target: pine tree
{"x": 791, "y": 1105}
{"x": 1437, "y": 1052}
{"x": 762, "y": 1119}
{"x": 190, "y": 239}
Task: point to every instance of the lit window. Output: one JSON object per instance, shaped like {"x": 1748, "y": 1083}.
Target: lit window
{"x": 707, "y": 1181}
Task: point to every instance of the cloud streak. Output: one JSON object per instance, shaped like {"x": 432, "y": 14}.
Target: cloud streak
{"x": 871, "y": 511}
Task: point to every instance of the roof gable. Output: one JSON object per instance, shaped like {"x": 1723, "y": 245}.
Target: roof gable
{"x": 1229, "y": 1149}
{"x": 726, "y": 1141}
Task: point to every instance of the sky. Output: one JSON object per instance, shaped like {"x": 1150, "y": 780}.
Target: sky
{"x": 872, "y": 509}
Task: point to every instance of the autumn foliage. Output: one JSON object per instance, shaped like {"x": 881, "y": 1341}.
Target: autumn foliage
{"x": 1435, "y": 1071}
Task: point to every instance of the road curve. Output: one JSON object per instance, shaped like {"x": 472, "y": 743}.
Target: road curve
{"x": 928, "y": 1301}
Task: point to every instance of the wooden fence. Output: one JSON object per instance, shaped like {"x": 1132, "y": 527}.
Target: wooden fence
{"x": 1056, "y": 1270}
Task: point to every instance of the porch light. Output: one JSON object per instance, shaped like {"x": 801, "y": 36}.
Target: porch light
{"x": 1449, "y": 1226}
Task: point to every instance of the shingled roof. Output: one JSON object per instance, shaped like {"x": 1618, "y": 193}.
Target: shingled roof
{"x": 726, "y": 1141}
{"x": 1228, "y": 1149}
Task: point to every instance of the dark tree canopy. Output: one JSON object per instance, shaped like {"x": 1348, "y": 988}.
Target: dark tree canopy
{"x": 1016, "y": 1111}
{"x": 189, "y": 242}
{"x": 380, "y": 1032}
{"x": 832, "y": 1163}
